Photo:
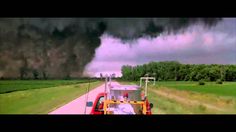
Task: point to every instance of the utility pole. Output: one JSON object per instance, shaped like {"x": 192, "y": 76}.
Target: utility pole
{"x": 146, "y": 82}
{"x": 86, "y": 98}
{"x": 106, "y": 85}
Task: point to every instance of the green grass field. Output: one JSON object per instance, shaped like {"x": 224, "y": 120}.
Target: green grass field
{"x": 163, "y": 105}
{"x": 7, "y": 86}
{"x": 42, "y": 101}
{"x": 170, "y": 97}
{"x": 225, "y": 89}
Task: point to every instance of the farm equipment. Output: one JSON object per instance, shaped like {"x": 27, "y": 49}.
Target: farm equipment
{"x": 121, "y": 99}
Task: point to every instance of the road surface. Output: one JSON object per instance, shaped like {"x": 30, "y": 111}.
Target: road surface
{"x": 77, "y": 106}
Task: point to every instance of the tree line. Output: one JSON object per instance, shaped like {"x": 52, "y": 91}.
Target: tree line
{"x": 173, "y": 70}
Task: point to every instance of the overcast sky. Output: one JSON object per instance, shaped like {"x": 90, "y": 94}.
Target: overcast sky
{"x": 197, "y": 45}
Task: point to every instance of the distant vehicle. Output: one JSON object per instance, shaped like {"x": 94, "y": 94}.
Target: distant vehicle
{"x": 116, "y": 98}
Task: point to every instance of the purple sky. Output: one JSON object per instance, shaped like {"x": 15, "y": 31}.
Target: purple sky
{"x": 196, "y": 45}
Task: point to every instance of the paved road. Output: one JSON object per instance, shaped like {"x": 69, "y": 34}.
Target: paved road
{"x": 77, "y": 106}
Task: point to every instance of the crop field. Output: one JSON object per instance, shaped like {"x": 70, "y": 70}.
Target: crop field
{"x": 7, "y": 86}
{"x": 173, "y": 97}
{"x": 40, "y": 97}
{"x": 225, "y": 89}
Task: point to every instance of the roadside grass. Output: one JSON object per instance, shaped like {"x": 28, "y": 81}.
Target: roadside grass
{"x": 185, "y": 102}
{"x": 225, "y": 89}
{"x": 7, "y": 86}
{"x": 41, "y": 101}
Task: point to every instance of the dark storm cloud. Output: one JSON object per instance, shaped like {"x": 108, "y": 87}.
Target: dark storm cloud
{"x": 196, "y": 45}
{"x": 62, "y": 47}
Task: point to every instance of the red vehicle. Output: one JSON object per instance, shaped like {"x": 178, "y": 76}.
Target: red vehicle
{"x": 97, "y": 107}
{"x": 106, "y": 103}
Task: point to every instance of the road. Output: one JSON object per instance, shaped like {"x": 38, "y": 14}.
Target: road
{"x": 77, "y": 106}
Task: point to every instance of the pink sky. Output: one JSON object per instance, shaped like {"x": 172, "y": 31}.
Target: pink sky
{"x": 197, "y": 45}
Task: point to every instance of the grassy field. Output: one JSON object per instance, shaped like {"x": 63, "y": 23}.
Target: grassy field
{"x": 191, "y": 98}
{"x": 7, "y": 86}
{"x": 42, "y": 101}
{"x": 225, "y": 89}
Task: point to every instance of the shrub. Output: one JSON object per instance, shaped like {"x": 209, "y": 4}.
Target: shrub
{"x": 219, "y": 81}
{"x": 201, "y": 82}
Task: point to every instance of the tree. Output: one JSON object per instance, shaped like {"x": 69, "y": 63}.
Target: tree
{"x": 23, "y": 72}
{"x": 101, "y": 76}
{"x": 126, "y": 72}
{"x": 172, "y": 70}
{"x": 214, "y": 73}
{"x": 230, "y": 74}
{"x": 45, "y": 76}
{"x": 35, "y": 74}
{"x": 24, "y": 68}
